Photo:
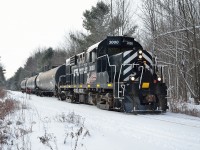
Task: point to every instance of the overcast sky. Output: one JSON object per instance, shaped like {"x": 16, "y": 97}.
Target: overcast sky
{"x": 26, "y": 25}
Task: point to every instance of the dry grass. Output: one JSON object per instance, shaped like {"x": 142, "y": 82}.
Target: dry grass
{"x": 7, "y": 106}
{"x": 184, "y": 108}
{"x": 2, "y": 93}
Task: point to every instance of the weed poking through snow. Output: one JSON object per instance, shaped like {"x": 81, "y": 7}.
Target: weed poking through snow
{"x": 13, "y": 131}
{"x": 75, "y": 130}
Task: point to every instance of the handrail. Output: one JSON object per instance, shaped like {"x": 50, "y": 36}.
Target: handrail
{"x": 141, "y": 77}
{"x": 106, "y": 55}
{"x": 120, "y": 75}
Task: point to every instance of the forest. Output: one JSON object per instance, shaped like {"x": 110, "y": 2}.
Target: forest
{"x": 170, "y": 29}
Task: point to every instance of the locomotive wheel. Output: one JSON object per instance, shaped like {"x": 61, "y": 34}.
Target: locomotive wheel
{"x": 162, "y": 102}
{"x": 75, "y": 98}
{"x": 122, "y": 108}
{"x": 62, "y": 96}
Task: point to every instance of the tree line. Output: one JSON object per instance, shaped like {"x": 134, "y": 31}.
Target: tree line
{"x": 42, "y": 60}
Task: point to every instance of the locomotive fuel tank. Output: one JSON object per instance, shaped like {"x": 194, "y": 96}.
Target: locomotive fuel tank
{"x": 48, "y": 81}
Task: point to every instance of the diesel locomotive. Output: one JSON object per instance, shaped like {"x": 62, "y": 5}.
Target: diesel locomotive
{"x": 114, "y": 74}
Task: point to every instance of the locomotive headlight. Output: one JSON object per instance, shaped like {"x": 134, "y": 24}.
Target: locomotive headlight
{"x": 140, "y": 52}
{"x": 159, "y": 78}
{"x": 140, "y": 56}
{"x": 132, "y": 78}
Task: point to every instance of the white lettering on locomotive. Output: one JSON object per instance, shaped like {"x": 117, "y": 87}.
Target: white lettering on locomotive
{"x": 81, "y": 70}
{"x": 86, "y": 69}
{"x": 92, "y": 68}
{"x": 113, "y": 42}
{"x": 129, "y": 43}
{"x": 76, "y": 72}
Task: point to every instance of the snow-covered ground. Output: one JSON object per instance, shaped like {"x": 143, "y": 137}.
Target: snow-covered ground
{"x": 97, "y": 129}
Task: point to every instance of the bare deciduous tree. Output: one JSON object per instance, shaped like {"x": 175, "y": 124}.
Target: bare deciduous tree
{"x": 174, "y": 31}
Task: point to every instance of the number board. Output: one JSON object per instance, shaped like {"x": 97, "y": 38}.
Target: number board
{"x": 120, "y": 41}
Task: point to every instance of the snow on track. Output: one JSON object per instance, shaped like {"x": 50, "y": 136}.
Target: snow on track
{"x": 118, "y": 131}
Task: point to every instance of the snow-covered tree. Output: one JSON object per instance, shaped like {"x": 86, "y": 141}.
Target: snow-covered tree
{"x": 173, "y": 28}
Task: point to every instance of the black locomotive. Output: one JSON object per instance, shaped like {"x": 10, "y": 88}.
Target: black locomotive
{"x": 114, "y": 74}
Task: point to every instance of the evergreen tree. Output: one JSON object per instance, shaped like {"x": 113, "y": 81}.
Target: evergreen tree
{"x": 99, "y": 24}
{"x": 96, "y": 22}
{"x": 35, "y": 64}
{"x": 46, "y": 60}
